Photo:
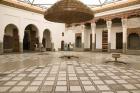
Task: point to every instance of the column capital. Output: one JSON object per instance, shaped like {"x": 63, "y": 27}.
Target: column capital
{"x": 108, "y": 19}
{"x": 82, "y": 26}
{"x": 93, "y": 21}
{"x": 124, "y": 22}
{"x": 109, "y": 24}
{"x": 93, "y": 25}
{"x": 124, "y": 16}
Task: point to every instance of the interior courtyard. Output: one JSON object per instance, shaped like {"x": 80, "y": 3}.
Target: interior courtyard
{"x": 92, "y": 46}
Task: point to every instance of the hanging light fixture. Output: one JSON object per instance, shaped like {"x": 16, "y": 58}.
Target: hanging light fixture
{"x": 68, "y": 11}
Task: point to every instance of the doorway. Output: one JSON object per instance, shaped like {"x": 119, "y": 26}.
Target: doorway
{"x": 104, "y": 41}
{"x": 78, "y": 40}
{"x": 133, "y": 41}
{"x": 119, "y": 40}
{"x": 30, "y": 40}
{"x": 62, "y": 45}
{"x": 47, "y": 42}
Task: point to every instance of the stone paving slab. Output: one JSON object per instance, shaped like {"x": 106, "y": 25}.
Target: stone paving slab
{"x": 90, "y": 81}
{"x": 71, "y": 76}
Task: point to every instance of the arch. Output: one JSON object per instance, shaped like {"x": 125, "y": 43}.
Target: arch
{"x": 46, "y": 41}
{"x": 31, "y": 38}
{"x": 133, "y": 41}
{"x": 11, "y": 39}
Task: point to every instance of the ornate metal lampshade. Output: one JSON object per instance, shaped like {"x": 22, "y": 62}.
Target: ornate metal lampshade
{"x": 68, "y": 11}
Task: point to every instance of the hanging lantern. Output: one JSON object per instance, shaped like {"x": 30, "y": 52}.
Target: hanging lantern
{"x": 68, "y": 11}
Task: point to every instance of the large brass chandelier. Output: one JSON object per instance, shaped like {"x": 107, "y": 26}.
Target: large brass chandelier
{"x": 68, "y": 11}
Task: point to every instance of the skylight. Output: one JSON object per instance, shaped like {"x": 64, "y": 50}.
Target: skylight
{"x": 90, "y": 3}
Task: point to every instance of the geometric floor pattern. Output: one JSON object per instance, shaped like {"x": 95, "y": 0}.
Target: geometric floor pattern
{"x": 71, "y": 77}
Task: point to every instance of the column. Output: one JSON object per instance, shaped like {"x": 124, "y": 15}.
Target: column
{"x": 1, "y": 40}
{"x": 124, "y": 28}
{"x": 21, "y": 37}
{"x": 40, "y": 35}
{"x": 83, "y": 36}
{"x": 1, "y": 47}
{"x": 93, "y": 28}
{"x": 109, "y": 24}
{"x": 21, "y": 45}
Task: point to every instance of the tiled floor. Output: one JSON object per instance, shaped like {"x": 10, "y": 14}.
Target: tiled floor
{"x": 51, "y": 74}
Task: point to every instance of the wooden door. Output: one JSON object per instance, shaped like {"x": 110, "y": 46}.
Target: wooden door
{"x": 104, "y": 41}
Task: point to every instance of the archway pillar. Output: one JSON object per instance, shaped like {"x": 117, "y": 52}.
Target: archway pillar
{"x": 124, "y": 28}
{"x": 21, "y": 44}
{"x": 109, "y": 26}
{"x": 83, "y": 36}
{"x": 40, "y": 40}
{"x": 21, "y": 36}
{"x": 1, "y": 39}
{"x": 93, "y": 27}
{"x": 1, "y": 45}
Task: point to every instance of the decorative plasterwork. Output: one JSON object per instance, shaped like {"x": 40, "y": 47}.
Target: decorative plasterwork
{"x": 116, "y": 6}
{"x": 119, "y": 15}
{"x": 133, "y": 30}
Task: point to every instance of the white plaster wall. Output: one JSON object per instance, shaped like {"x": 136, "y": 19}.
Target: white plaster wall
{"x": 99, "y": 31}
{"x": 114, "y": 30}
{"x": 69, "y": 36}
{"x": 87, "y": 38}
{"x": 99, "y": 38}
{"x": 22, "y": 18}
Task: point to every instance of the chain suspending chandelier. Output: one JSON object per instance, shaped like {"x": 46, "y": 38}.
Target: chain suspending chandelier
{"x": 68, "y": 11}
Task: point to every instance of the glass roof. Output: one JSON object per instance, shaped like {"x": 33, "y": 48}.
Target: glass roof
{"x": 90, "y": 3}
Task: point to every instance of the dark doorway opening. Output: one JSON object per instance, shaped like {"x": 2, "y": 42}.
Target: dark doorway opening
{"x": 47, "y": 42}
{"x": 62, "y": 45}
{"x": 119, "y": 40}
{"x": 133, "y": 41}
{"x": 78, "y": 40}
